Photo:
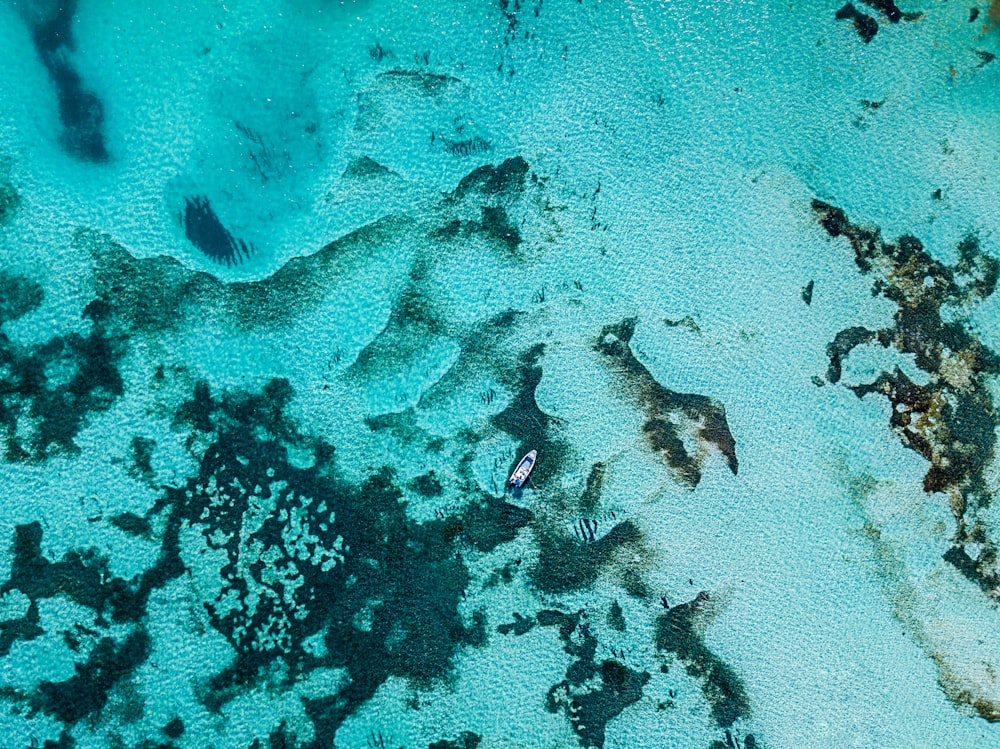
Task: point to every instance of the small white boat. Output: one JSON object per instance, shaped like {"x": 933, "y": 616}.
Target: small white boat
{"x": 523, "y": 470}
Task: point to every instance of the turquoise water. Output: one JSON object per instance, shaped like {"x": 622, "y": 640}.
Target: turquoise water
{"x": 287, "y": 289}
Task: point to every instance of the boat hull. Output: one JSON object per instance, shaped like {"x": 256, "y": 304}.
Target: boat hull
{"x": 523, "y": 471}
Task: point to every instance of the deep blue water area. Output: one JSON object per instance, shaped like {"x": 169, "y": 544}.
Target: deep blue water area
{"x": 287, "y": 290}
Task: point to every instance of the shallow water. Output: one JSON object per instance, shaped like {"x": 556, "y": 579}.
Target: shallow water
{"x": 287, "y": 289}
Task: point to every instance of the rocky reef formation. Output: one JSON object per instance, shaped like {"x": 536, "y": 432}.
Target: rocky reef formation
{"x": 950, "y": 420}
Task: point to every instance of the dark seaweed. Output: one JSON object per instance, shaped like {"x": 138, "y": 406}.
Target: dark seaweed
{"x": 133, "y": 524}
{"x": 589, "y": 704}
{"x": 465, "y": 740}
{"x": 531, "y": 427}
{"x": 846, "y": 341}
{"x": 865, "y": 25}
{"x": 519, "y": 626}
{"x": 982, "y": 570}
{"x": 80, "y": 111}
{"x": 174, "y": 728}
{"x": 381, "y": 590}
{"x": 364, "y": 167}
{"x": 83, "y": 577}
{"x": 378, "y": 53}
{"x": 985, "y": 58}
{"x": 567, "y": 563}
{"x": 86, "y": 692}
{"x": 887, "y": 8}
{"x": 474, "y": 146}
{"x": 88, "y": 382}
{"x": 428, "y": 84}
{"x": 18, "y": 296}
{"x": 149, "y": 295}
{"x": 507, "y": 179}
{"x": 687, "y": 322}
{"x": 449, "y": 230}
{"x": 427, "y": 485}
{"x": 10, "y": 201}
{"x": 66, "y": 741}
{"x": 591, "y": 499}
{"x": 667, "y": 412}
{"x": 677, "y": 633}
{"x": 493, "y": 190}
{"x": 155, "y": 294}
{"x": 414, "y": 308}
{"x": 205, "y": 231}
{"x": 406, "y": 574}
{"x": 890, "y": 10}
{"x": 807, "y": 293}
{"x": 492, "y": 522}
{"x": 593, "y": 693}
{"x": 142, "y": 456}
{"x": 24, "y": 628}
{"x": 616, "y": 619}
{"x": 496, "y": 225}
